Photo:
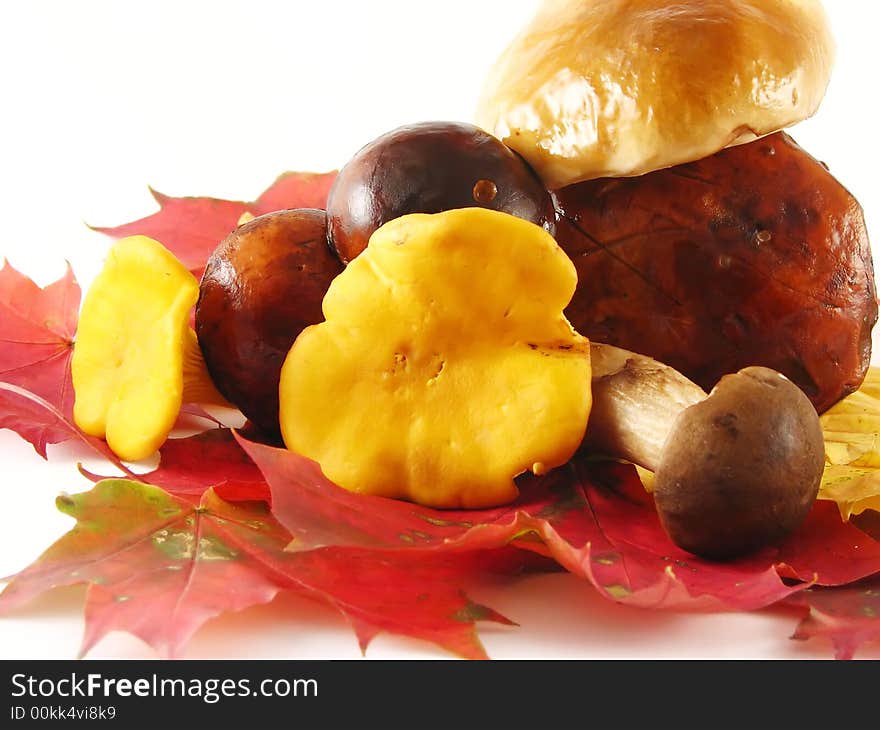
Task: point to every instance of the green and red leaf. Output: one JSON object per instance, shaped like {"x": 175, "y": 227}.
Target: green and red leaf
{"x": 159, "y": 567}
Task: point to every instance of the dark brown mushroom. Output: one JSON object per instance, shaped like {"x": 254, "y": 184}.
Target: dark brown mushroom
{"x": 262, "y": 286}
{"x": 734, "y": 471}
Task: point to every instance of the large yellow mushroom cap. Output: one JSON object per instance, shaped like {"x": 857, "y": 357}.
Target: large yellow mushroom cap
{"x": 132, "y": 346}
{"x": 445, "y": 366}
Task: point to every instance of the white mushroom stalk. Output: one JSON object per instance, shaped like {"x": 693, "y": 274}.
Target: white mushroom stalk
{"x": 636, "y": 399}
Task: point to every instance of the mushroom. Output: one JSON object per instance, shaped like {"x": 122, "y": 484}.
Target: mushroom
{"x": 445, "y": 366}
{"x": 616, "y": 88}
{"x": 136, "y": 360}
{"x": 734, "y": 471}
{"x": 262, "y": 286}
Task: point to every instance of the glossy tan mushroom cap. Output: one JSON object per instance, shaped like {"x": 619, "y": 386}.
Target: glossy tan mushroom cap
{"x": 609, "y": 88}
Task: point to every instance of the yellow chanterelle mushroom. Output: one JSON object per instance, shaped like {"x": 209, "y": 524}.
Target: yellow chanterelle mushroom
{"x": 136, "y": 360}
{"x": 445, "y": 366}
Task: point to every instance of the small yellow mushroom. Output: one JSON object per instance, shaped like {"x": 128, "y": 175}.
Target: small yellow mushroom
{"x": 136, "y": 360}
{"x": 445, "y": 366}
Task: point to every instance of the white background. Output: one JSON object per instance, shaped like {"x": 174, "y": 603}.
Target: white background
{"x": 101, "y": 99}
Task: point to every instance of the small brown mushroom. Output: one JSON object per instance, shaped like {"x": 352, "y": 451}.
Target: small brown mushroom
{"x": 735, "y": 470}
{"x": 262, "y": 286}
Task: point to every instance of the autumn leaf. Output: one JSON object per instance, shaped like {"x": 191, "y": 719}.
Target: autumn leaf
{"x": 852, "y": 450}
{"x": 158, "y": 567}
{"x": 295, "y": 190}
{"x": 191, "y": 227}
{"x": 34, "y": 419}
{"x": 40, "y": 423}
{"x": 412, "y": 593}
{"x": 319, "y": 513}
{"x": 213, "y": 459}
{"x": 594, "y": 518}
{"x": 615, "y": 540}
{"x": 848, "y": 615}
{"x": 37, "y": 328}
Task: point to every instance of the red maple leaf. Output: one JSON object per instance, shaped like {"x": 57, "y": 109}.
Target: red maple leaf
{"x": 594, "y": 518}
{"x": 37, "y": 328}
{"x": 319, "y": 513}
{"x": 191, "y": 227}
{"x": 847, "y": 615}
{"x": 210, "y": 460}
{"x": 159, "y": 567}
{"x": 614, "y": 539}
{"x": 40, "y": 423}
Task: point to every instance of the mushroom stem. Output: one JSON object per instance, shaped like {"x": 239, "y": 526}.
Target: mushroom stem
{"x": 197, "y": 384}
{"x": 636, "y": 399}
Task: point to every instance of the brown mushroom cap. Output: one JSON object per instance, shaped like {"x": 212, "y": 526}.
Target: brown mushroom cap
{"x": 741, "y": 469}
{"x": 609, "y": 88}
{"x": 263, "y": 284}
